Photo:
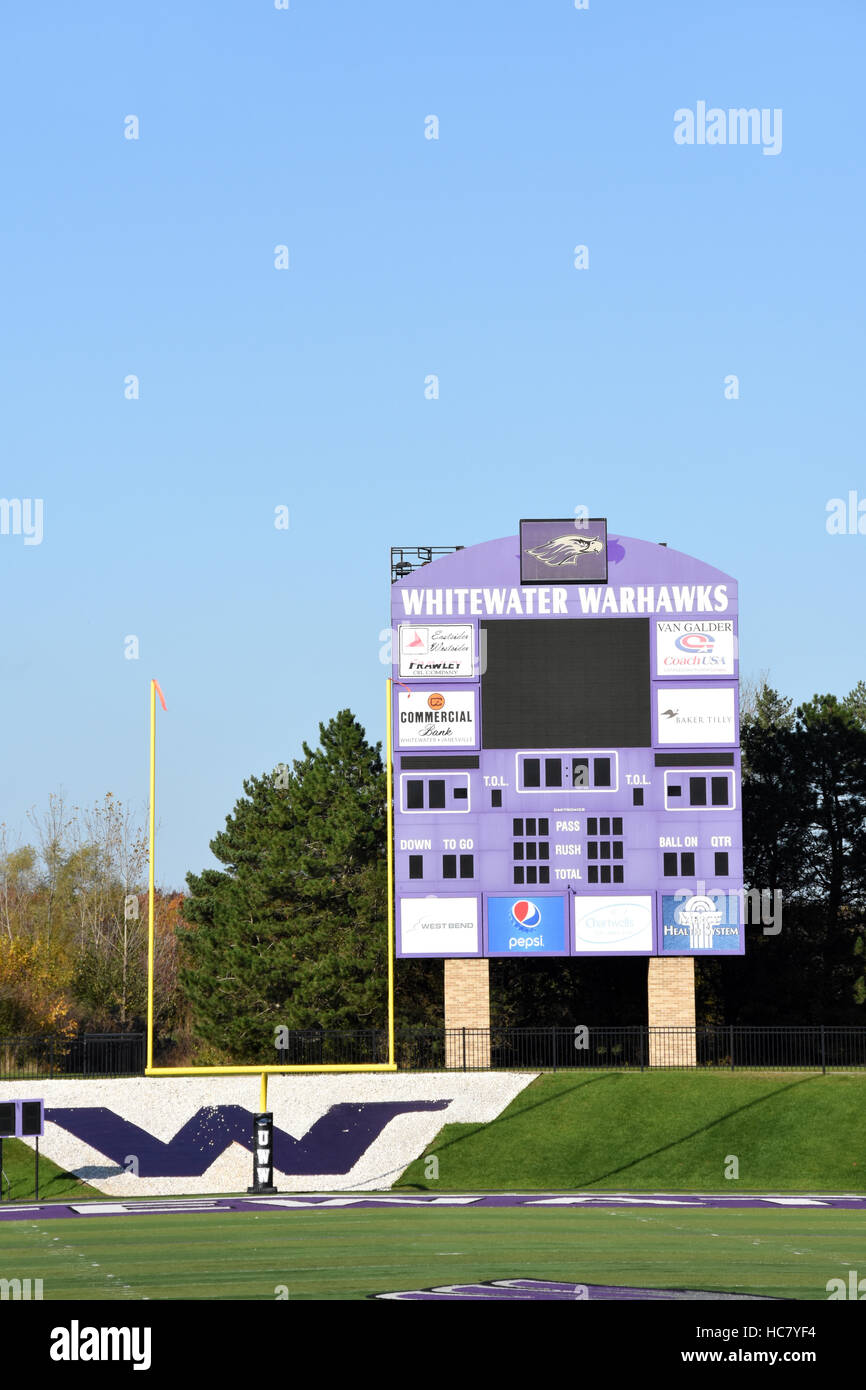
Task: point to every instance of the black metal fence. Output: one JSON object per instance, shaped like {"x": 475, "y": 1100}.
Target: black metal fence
{"x": 723, "y": 1047}
{"x": 90, "y": 1054}
{"x": 712, "y": 1047}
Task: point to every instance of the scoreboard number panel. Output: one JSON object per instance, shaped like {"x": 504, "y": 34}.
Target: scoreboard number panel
{"x": 567, "y": 768}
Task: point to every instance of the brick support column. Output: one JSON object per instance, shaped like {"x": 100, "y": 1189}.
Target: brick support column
{"x": 671, "y": 1005}
{"x": 467, "y": 1005}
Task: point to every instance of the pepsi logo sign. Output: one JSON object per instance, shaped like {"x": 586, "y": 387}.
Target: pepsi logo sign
{"x": 526, "y": 913}
{"x": 526, "y": 925}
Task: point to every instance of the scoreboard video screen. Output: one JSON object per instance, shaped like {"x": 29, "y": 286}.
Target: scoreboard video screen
{"x": 566, "y": 750}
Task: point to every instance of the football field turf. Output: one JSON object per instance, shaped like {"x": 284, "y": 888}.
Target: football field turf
{"x": 355, "y": 1254}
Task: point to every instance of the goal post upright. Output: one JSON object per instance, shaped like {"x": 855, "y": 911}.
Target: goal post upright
{"x": 150, "y": 865}
{"x": 263, "y": 1072}
{"x": 389, "y": 803}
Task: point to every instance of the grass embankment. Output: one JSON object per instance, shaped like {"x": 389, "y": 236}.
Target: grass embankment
{"x": 662, "y": 1131}
{"x": 55, "y": 1184}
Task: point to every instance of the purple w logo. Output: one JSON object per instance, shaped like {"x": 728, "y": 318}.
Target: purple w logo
{"x": 332, "y": 1145}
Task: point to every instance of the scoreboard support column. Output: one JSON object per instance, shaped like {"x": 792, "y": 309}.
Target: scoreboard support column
{"x": 467, "y": 1014}
{"x": 671, "y": 1007}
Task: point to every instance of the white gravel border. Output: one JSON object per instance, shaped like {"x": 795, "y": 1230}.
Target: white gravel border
{"x": 162, "y": 1105}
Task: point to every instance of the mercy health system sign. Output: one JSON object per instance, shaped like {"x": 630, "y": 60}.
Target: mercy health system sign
{"x": 702, "y": 924}
{"x": 566, "y": 750}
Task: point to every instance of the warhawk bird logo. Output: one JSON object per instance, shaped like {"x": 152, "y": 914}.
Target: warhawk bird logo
{"x": 565, "y": 550}
{"x": 669, "y": 713}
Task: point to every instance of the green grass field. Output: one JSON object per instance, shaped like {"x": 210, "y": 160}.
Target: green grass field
{"x": 337, "y": 1254}
{"x": 662, "y": 1132}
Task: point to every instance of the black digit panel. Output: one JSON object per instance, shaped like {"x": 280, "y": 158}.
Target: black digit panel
{"x": 698, "y": 791}
{"x": 553, "y": 772}
{"x": 720, "y": 787}
{"x": 31, "y": 1117}
{"x": 601, "y": 772}
{"x": 532, "y": 772}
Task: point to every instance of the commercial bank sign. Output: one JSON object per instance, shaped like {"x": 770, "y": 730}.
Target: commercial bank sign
{"x": 437, "y": 719}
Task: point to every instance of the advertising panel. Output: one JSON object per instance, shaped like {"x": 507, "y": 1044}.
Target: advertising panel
{"x": 701, "y": 924}
{"x": 437, "y": 719}
{"x": 439, "y": 926}
{"x": 613, "y": 926}
{"x": 439, "y": 653}
{"x": 686, "y": 714}
{"x": 695, "y": 647}
{"x": 526, "y": 926}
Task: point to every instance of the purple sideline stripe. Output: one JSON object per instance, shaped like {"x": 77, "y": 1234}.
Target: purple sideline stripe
{"x": 547, "y": 1289}
{"x": 343, "y": 1201}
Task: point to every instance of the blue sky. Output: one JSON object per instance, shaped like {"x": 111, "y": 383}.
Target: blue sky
{"x": 305, "y": 388}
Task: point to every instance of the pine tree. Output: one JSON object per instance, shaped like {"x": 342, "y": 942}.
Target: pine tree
{"x": 292, "y": 932}
{"x": 804, "y": 823}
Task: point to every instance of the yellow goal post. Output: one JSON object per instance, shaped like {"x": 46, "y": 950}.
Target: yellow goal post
{"x": 276, "y": 1070}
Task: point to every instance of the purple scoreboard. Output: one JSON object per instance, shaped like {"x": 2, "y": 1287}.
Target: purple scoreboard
{"x": 566, "y": 750}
